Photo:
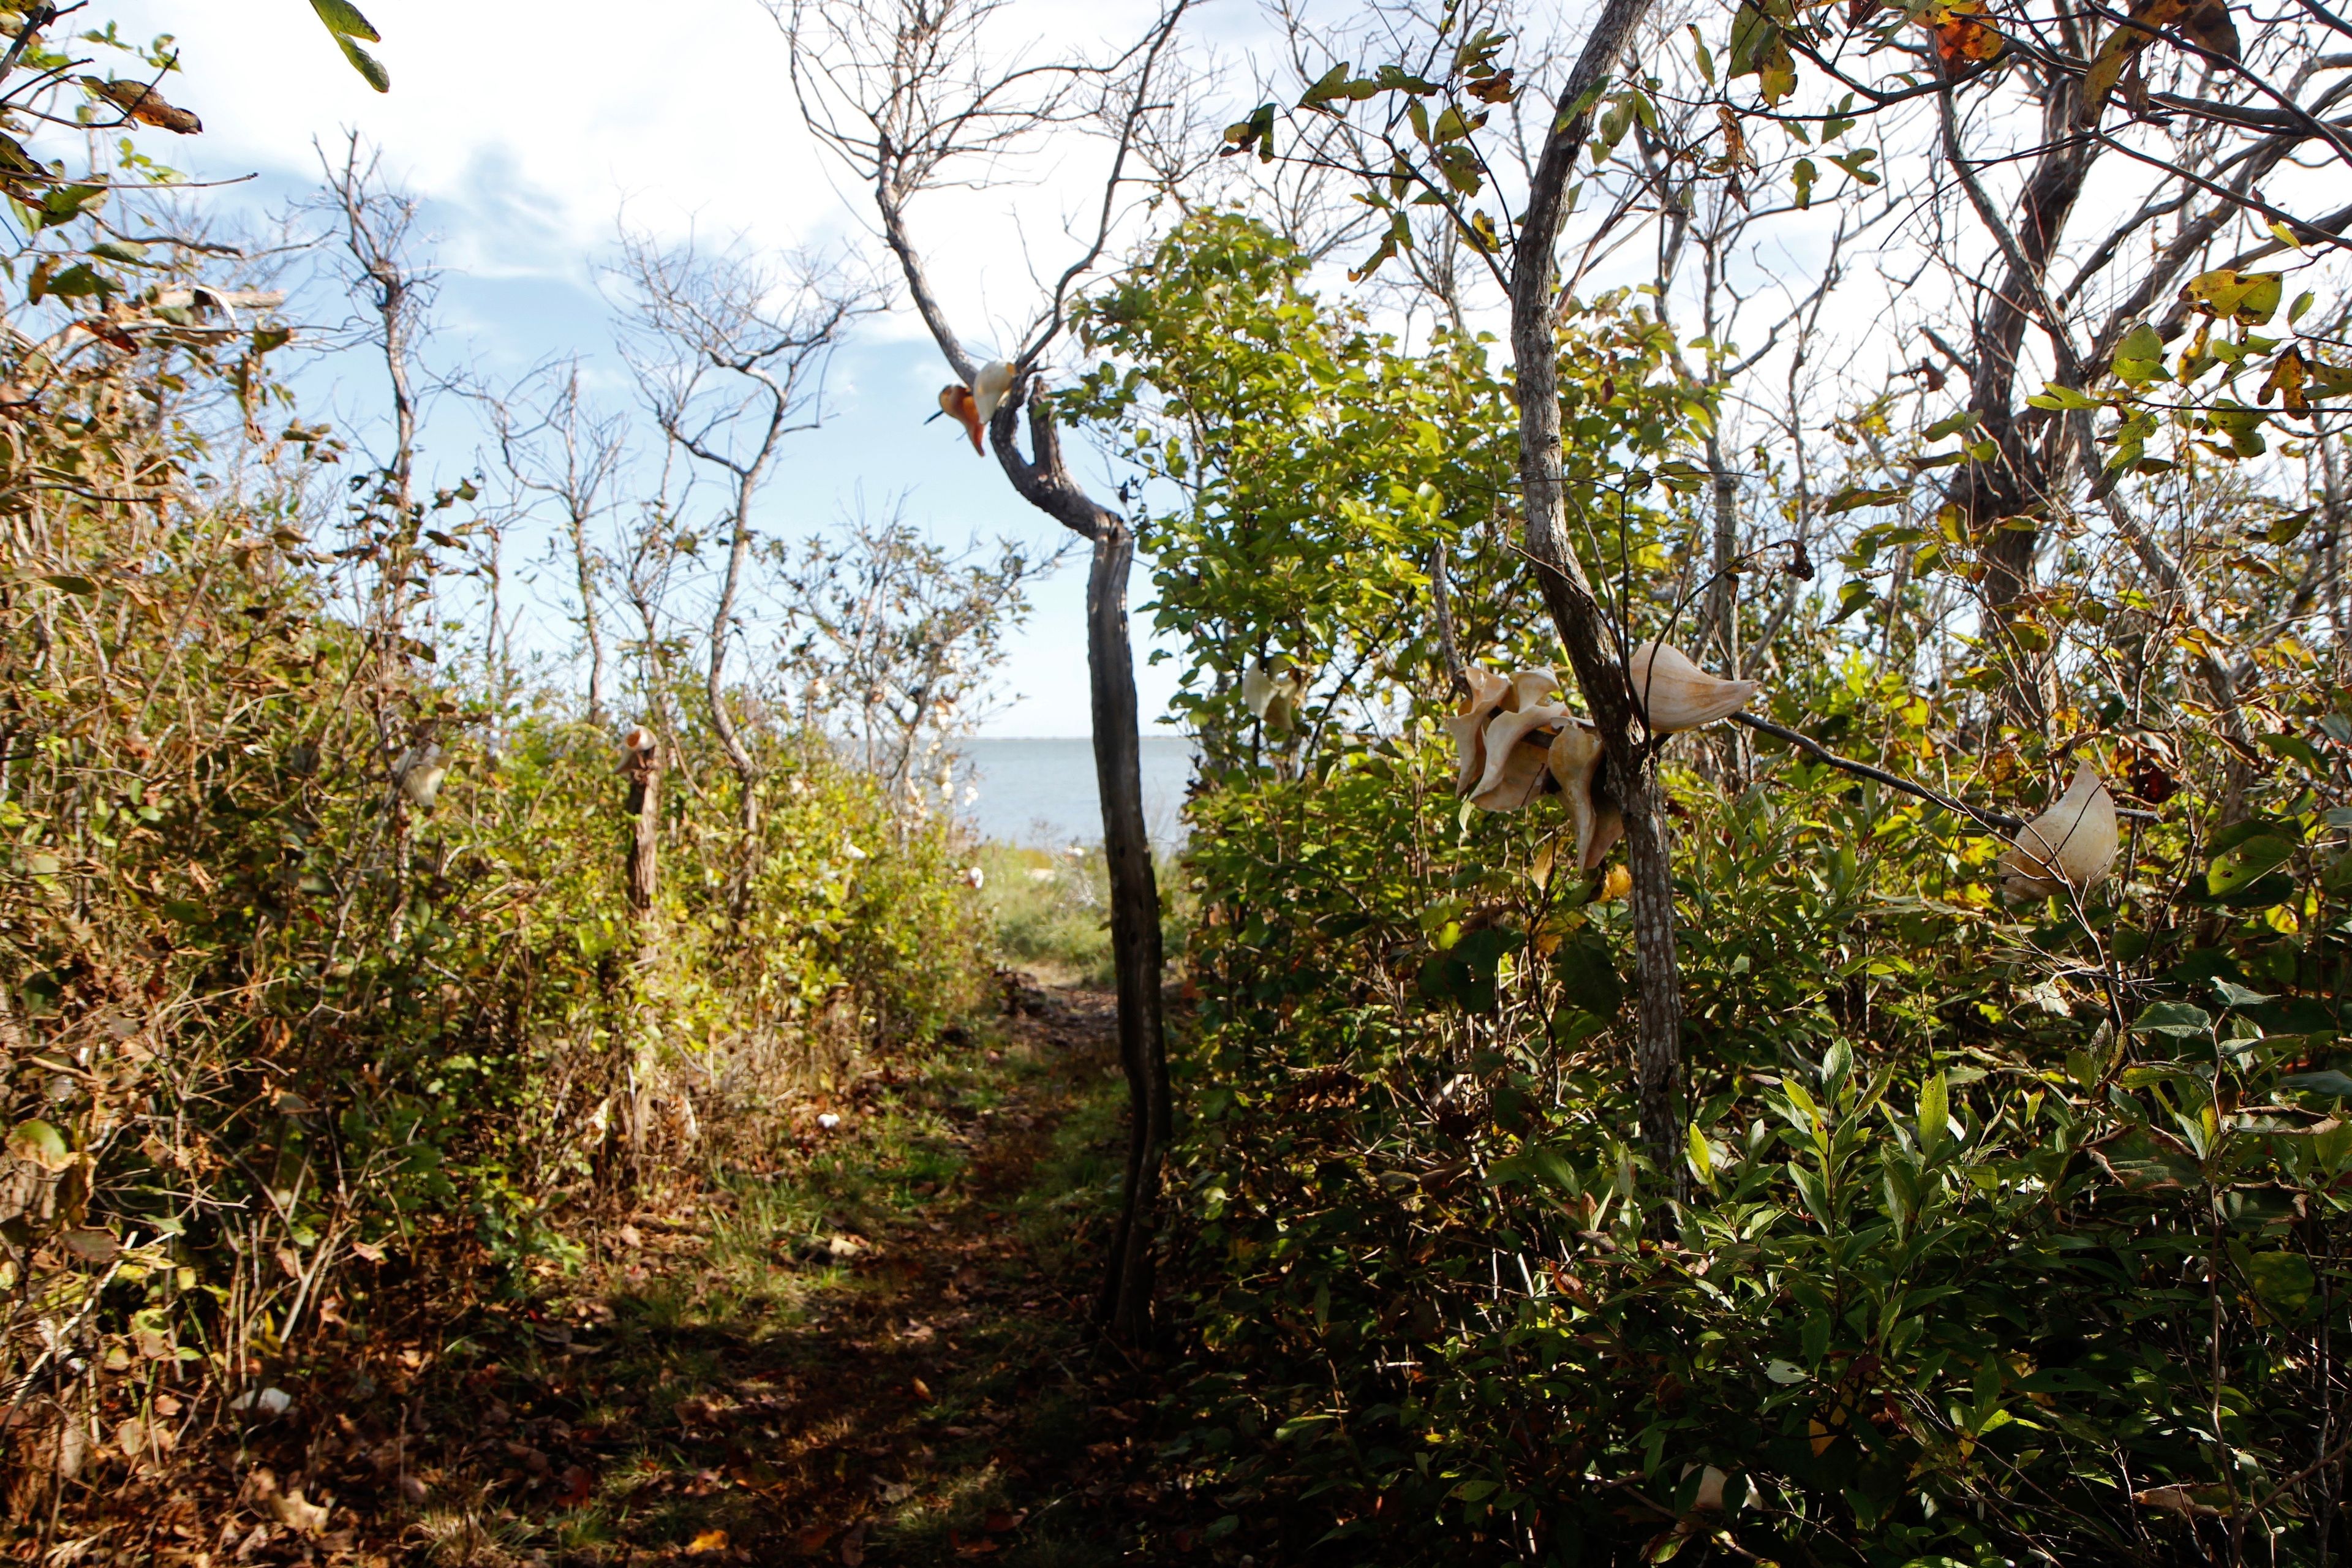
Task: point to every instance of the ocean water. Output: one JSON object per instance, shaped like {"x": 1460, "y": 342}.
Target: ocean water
{"x": 1041, "y": 794}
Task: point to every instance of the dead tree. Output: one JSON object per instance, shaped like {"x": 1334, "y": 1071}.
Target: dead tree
{"x": 557, "y": 448}
{"x": 902, "y": 92}
{"x": 731, "y": 356}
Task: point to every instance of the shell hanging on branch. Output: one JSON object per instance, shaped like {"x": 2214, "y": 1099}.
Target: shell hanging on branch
{"x": 1495, "y": 732}
{"x": 2071, "y": 847}
{"x": 1274, "y": 694}
{"x": 990, "y": 387}
{"x": 1575, "y": 763}
{"x": 1518, "y": 750}
{"x": 1675, "y": 695}
{"x": 420, "y": 771}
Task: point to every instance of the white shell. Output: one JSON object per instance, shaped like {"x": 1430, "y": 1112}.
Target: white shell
{"x": 1678, "y": 695}
{"x": 1258, "y": 690}
{"x": 420, "y": 772}
{"x": 1489, "y": 694}
{"x": 1575, "y": 758}
{"x": 2071, "y": 846}
{"x": 990, "y": 386}
{"x": 1274, "y": 699}
{"x": 638, "y": 739}
{"x": 1505, "y": 732}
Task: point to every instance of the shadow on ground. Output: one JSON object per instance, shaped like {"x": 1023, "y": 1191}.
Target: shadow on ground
{"x": 877, "y": 1356}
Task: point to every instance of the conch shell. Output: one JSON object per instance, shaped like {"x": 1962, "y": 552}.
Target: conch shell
{"x": 1575, "y": 758}
{"x": 958, "y": 404}
{"x": 1678, "y": 695}
{"x": 420, "y": 771}
{"x": 990, "y": 386}
{"x": 1273, "y": 695}
{"x": 2070, "y": 845}
{"x": 1502, "y": 761}
{"x": 1513, "y": 774}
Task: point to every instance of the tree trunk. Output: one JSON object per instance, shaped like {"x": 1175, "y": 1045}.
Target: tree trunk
{"x": 643, "y": 770}
{"x": 1125, "y": 1305}
{"x": 1591, "y": 642}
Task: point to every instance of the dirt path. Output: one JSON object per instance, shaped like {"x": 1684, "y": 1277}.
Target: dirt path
{"x": 875, "y": 1355}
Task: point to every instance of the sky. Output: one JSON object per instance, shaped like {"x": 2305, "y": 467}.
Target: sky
{"x": 529, "y": 127}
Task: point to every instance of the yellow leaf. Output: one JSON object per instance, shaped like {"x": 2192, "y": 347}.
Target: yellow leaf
{"x": 1617, "y": 884}
{"x": 709, "y": 1542}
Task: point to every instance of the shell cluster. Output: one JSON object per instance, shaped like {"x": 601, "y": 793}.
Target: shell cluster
{"x": 1517, "y": 741}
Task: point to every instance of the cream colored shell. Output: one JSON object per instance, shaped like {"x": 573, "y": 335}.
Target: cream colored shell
{"x": 990, "y": 386}
{"x": 1678, "y": 695}
{"x": 2071, "y": 846}
{"x": 1575, "y": 758}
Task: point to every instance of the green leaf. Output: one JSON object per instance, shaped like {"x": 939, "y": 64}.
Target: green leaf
{"x": 2232, "y": 995}
{"x": 1588, "y": 976}
{"x": 70, "y": 582}
{"x": 2294, "y": 748}
{"x": 2283, "y": 1279}
{"x": 1934, "y": 1115}
{"x": 2176, "y": 1021}
{"x": 367, "y": 64}
{"x": 1855, "y": 498}
{"x": 1702, "y": 1158}
{"x": 344, "y": 20}
{"x": 2139, "y": 358}
{"x": 40, "y": 1143}
{"x": 2328, "y": 1083}
{"x": 2247, "y": 863}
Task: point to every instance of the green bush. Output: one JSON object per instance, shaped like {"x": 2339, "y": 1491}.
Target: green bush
{"x": 1964, "y": 1273}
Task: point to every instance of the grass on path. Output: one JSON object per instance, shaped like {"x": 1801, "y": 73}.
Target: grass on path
{"x": 877, "y": 1355}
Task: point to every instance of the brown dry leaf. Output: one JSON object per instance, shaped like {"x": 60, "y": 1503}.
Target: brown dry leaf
{"x": 579, "y": 1486}
{"x": 1961, "y": 36}
{"x": 2149, "y": 17}
{"x": 1495, "y": 88}
{"x": 853, "y": 1547}
{"x": 2289, "y": 374}
{"x": 145, "y": 105}
{"x": 2209, "y": 27}
{"x": 923, "y": 1391}
{"x": 706, "y": 1543}
{"x": 297, "y": 1514}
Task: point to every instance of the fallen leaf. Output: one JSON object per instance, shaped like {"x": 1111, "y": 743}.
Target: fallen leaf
{"x": 297, "y": 1514}
{"x": 923, "y": 1391}
{"x": 709, "y": 1542}
{"x": 853, "y": 1547}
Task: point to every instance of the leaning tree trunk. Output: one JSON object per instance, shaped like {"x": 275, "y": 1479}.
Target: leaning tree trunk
{"x": 1124, "y": 1306}
{"x": 1046, "y": 482}
{"x": 1592, "y": 643}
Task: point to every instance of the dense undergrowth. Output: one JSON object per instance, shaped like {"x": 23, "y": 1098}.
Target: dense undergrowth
{"x": 2011, "y": 1233}
{"x": 1965, "y": 1272}
{"x": 324, "y": 991}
